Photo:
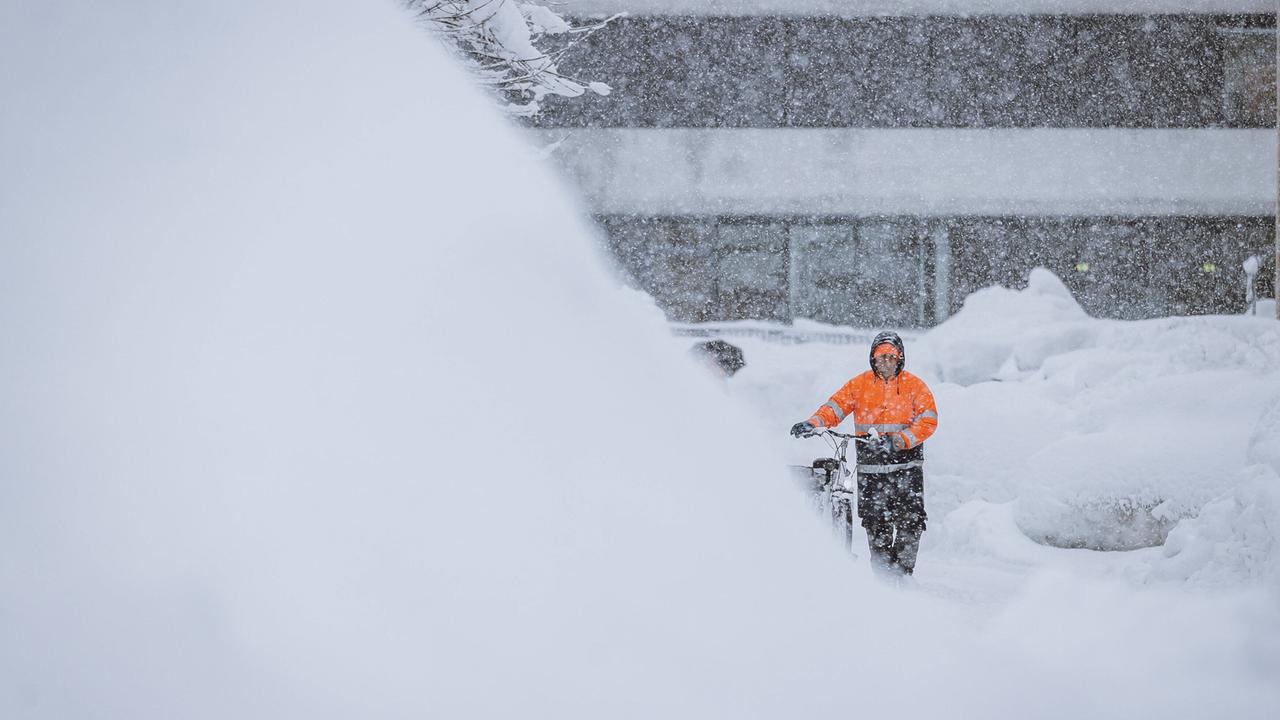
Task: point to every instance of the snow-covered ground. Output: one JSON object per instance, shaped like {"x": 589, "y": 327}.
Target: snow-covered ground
{"x": 317, "y": 400}
{"x": 1082, "y": 433}
{"x": 1077, "y": 432}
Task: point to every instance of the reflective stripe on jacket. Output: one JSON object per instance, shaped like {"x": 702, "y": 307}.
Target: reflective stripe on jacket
{"x": 901, "y": 406}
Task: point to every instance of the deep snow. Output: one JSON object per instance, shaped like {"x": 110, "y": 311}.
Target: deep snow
{"x": 1080, "y": 432}
{"x": 319, "y": 402}
{"x": 1096, "y": 433}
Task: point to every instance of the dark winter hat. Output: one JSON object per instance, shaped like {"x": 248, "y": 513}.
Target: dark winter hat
{"x": 892, "y": 339}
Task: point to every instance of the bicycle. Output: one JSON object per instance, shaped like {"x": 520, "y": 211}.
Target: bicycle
{"x": 830, "y": 478}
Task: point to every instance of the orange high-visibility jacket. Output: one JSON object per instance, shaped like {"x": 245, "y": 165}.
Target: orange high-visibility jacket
{"x": 902, "y": 405}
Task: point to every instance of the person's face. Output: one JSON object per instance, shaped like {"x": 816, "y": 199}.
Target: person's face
{"x": 885, "y": 364}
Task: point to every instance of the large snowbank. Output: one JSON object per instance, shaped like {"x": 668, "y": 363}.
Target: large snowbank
{"x": 1096, "y": 433}
{"x": 1077, "y": 432}
{"x": 1100, "y": 434}
{"x": 999, "y": 332}
{"x": 264, "y": 453}
{"x": 1150, "y": 420}
{"x": 1026, "y": 441}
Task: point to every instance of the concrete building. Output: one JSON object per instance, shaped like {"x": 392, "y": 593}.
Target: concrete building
{"x": 872, "y": 163}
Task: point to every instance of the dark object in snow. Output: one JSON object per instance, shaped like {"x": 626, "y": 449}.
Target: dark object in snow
{"x": 727, "y": 357}
{"x": 802, "y": 429}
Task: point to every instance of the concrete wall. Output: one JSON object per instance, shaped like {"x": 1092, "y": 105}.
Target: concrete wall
{"x": 925, "y": 172}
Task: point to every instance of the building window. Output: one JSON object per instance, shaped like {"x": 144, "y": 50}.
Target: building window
{"x": 1249, "y": 77}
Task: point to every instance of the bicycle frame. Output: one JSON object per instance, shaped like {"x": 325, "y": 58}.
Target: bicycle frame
{"x": 834, "y": 496}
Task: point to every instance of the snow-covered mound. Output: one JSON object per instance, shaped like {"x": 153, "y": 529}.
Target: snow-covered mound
{"x": 320, "y": 403}
{"x": 1140, "y": 424}
{"x": 1264, "y": 441}
{"x": 1000, "y": 331}
{"x": 1093, "y": 433}
{"x": 1236, "y": 535}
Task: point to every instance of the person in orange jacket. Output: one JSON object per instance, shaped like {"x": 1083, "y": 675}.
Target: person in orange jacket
{"x": 899, "y": 407}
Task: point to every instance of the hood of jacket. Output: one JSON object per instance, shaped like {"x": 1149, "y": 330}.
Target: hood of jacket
{"x": 893, "y": 339}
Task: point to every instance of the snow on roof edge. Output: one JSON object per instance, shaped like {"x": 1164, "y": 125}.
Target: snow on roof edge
{"x": 911, "y": 8}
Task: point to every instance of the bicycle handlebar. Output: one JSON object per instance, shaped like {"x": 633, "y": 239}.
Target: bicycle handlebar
{"x": 843, "y": 436}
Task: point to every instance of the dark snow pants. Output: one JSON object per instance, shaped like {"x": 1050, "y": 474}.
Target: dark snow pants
{"x": 891, "y": 506}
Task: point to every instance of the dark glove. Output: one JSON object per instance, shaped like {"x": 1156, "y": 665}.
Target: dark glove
{"x": 801, "y": 429}
{"x": 881, "y": 444}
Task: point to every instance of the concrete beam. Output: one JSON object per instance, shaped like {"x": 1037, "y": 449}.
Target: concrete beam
{"x": 921, "y": 172}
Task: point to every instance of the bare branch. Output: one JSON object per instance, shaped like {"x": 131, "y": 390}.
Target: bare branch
{"x": 502, "y": 46}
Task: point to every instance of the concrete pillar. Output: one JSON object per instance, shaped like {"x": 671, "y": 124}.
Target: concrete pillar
{"x": 942, "y": 271}
{"x": 795, "y": 295}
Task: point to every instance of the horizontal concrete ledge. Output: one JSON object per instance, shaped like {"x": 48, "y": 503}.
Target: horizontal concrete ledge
{"x": 928, "y": 172}
{"x": 865, "y": 8}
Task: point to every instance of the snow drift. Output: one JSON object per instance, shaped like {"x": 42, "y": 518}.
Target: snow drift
{"x": 1149, "y": 420}
{"x": 320, "y": 403}
{"x": 1085, "y": 433}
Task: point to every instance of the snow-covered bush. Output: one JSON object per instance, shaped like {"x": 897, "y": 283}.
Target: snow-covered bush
{"x": 506, "y": 45}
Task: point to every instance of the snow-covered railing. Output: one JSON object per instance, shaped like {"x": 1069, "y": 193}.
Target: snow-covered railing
{"x": 502, "y": 43}
{"x": 782, "y": 334}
